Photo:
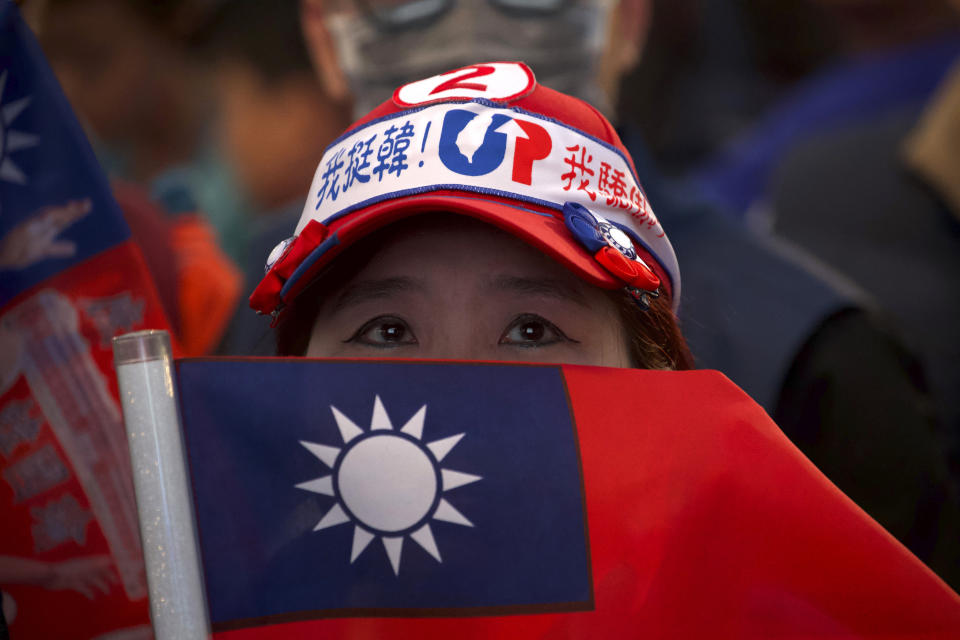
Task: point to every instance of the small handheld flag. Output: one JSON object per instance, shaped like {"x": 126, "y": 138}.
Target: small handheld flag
{"x": 477, "y": 500}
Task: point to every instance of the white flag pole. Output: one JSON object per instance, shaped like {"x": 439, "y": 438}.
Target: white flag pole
{"x": 144, "y": 366}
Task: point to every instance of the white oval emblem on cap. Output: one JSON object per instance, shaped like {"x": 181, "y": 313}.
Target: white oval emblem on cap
{"x": 496, "y": 81}
{"x": 278, "y": 252}
{"x": 618, "y": 239}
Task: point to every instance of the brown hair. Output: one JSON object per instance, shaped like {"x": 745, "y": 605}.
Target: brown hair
{"x": 655, "y": 340}
{"x": 654, "y": 337}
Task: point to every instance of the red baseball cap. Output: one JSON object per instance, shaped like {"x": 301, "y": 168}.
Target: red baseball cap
{"x": 488, "y": 142}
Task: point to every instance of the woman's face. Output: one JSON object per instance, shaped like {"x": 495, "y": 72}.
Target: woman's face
{"x": 466, "y": 290}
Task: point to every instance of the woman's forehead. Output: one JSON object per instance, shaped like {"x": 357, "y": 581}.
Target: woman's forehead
{"x": 438, "y": 255}
{"x": 433, "y": 246}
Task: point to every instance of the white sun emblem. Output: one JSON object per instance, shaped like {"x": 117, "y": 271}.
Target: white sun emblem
{"x": 387, "y": 483}
{"x": 11, "y": 140}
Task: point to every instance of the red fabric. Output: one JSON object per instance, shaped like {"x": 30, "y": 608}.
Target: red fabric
{"x": 630, "y": 271}
{"x": 704, "y": 522}
{"x": 266, "y": 296}
{"x": 209, "y": 284}
{"x": 151, "y": 231}
{"x": 197, "y": 283}
{"x": 63, "y": 351}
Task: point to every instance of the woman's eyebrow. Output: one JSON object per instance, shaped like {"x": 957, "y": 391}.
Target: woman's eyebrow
{"x": 365, "y": 290}
{"x": 549, "y": 287}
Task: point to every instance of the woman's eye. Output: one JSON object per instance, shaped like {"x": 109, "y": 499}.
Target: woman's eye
{"x": 384, "y": 332}
{"x": 530, "y": 330}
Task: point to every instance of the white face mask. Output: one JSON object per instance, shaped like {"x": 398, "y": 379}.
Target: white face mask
{"x": 564, "y": 49}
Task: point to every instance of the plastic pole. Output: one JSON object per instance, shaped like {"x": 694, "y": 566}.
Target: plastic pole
{"x": 145, "y": 374}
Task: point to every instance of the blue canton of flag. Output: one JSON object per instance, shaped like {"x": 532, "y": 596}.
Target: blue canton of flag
{"x": 338, "y": 489}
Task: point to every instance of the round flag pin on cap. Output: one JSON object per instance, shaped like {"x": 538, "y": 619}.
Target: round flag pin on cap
{"x": 613, "y": 249}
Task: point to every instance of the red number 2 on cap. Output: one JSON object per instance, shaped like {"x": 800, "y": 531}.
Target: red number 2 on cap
{"x": 457, "y": 82}
{"x": 502, "y": 82}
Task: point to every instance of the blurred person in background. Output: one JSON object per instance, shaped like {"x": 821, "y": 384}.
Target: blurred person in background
{"x": 710, "y": 68}
{"x": 882, "y": 178}
{"x": 273, "y": 120}
{"x": 892, "y": 54}
{"x": 865, "y": 71}
{"x": 803, "y": 346}
{"x": 125, "y": 70}
{"x": 123, "y": 67}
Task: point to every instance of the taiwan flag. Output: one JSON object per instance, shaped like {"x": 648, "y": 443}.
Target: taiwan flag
{"x": 399, "y": 499}
{"x": 71, "y": 565}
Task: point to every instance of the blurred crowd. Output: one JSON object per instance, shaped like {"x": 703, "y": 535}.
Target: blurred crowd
{"x": 804, "y": 156}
